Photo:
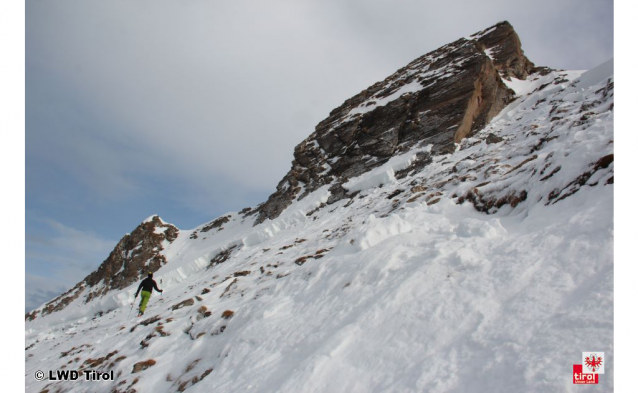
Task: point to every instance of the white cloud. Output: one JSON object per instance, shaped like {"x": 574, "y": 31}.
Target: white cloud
{"x": 60, "y": 259}
{"x": 40, "y": 290}
{"x": 217, "y": 93}
{"x": 195, "y": 91}
{"x": 79, "y": 242}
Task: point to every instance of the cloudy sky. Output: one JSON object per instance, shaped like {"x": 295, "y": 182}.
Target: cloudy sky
{"x": 190, "y": 109}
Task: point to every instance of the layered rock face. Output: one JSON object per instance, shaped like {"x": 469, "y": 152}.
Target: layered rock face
{"x": 437, "y": 99}
{"x": 134, "y": 255}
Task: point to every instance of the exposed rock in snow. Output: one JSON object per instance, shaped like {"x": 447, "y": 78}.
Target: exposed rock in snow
{"x": 402, "y": 261}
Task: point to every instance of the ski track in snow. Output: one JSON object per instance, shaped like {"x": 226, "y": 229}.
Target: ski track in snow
{"x": 408, "y": 297}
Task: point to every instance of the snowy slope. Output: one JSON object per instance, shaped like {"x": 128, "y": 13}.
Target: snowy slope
{"x": 490, "y": 269}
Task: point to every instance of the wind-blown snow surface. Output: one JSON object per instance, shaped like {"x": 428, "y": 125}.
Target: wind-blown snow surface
{"x": 406, "y": 294}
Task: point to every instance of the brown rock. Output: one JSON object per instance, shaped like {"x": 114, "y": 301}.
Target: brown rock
{"x": 222, "y": 257}
{"x": 141, "y": 366}
{"x": 492, "y": 138}
{"x": 417, "y": 189}
{"x": 216, "y": 224}
{"x": 506, "y": 51}
{"x": 185, "y": 303}
{"x": 454, "y": 91}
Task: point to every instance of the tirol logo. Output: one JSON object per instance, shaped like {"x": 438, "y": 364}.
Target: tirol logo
{"x": 581, "y": 378}
{"x": 594, "y": 362}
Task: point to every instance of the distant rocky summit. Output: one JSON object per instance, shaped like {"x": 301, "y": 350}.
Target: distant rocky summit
{"x": 136, "y": 253}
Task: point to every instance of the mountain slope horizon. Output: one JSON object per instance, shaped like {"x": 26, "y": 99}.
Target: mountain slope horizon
{"x": 447, "y": 228}
{"x": 320, "y": 159}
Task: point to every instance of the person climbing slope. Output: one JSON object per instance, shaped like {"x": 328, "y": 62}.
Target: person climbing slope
{"x": 146, "y": 286}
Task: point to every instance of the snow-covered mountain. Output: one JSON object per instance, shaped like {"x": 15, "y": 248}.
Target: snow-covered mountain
{"x": 447, "y": 229}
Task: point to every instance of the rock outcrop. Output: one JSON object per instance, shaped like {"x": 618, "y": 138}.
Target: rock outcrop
{"x": 134, "y": 255}
{"x": 438, "y": 99}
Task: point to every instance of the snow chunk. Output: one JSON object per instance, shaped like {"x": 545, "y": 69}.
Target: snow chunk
{"x": 521, "y": 86}
{"x": 375, "y": 230}
{"x": 574, "y": 97}
{"x": 477, "y": 228}
{"x": 370, "y": 180}
{"x": 385, "y": 173}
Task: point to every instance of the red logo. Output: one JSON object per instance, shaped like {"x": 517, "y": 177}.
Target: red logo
{"x": 593, "y": 362}
{"x": 581, "y": 378}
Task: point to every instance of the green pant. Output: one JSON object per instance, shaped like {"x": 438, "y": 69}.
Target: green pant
{"x": 145, "y": 296}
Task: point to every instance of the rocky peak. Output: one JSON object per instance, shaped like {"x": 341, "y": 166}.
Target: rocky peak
{"x": 501, "y": 43}
{"x": 134, "y": 255}
{"x": 438, "y": 99}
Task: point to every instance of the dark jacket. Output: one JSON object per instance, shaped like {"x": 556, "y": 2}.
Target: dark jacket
{"x": 147, "y": 285}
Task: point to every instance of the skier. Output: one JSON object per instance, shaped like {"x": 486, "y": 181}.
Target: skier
{"x": 146, "y": 286}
